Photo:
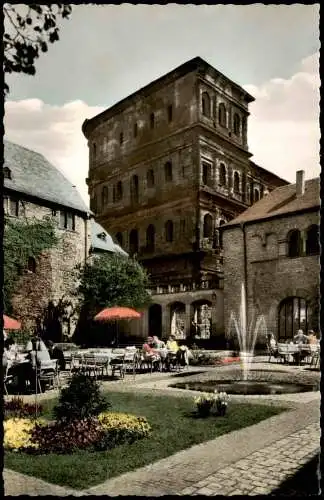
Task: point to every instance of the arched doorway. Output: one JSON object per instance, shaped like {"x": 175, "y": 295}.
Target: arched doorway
{"x": 155, "y": 320}
{"x": 177, "y": 320}
{"x": 202, "y": 310}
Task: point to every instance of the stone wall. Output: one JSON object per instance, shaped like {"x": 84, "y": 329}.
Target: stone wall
{"x": 272, "y": 276}
{"x": 52, "y": 280}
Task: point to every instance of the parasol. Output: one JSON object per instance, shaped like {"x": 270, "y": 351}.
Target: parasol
{"x": 11, "y": 323}
{"x": 115, "y": 313}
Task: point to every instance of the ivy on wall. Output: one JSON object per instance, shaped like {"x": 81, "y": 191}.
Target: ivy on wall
{"x": 23, "y": 238}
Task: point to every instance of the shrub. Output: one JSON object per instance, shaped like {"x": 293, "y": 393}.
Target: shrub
{"x": 120, "y": 428}
{"x": 18, "y": 433}
{"x": 15, "y": 407}
{"x": 80, "y": 400}
{"x": 66, "y": 437}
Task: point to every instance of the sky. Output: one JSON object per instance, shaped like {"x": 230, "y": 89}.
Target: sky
{"x": 107, "y": 52}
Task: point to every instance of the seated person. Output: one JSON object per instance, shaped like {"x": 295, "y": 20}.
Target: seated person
{"x": 10, "y": 348}
{"x": 157, "y": 343}
{"x": 312, "y": 339}
{"x": 38, "y": 352}
{"x": 172, "y": 344}
{"x": 300, "y": 338}
{"x": 272, "y": 344}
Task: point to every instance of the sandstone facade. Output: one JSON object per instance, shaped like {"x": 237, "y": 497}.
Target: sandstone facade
{"x": 167, "y": 166}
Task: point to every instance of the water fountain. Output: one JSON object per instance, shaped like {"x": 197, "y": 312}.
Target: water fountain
{"x": 246, "y": 334}
{"x": 248, "y": 381}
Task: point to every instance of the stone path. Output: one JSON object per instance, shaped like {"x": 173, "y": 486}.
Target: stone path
{"x": 253, "y": 460}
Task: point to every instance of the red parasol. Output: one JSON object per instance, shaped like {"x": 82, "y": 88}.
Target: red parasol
{"x": 115, "y": 313}
{"x": 10, "y": 323}
{"x": 111, "y": 313}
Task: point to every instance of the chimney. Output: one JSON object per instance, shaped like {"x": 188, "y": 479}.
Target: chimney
{"x": 300, "y": 182}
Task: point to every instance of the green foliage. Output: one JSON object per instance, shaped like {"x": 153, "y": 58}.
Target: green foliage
{"x": 22, "y": 239}
{"x": 28, "y": 31}
{"x": 80, "y": 400}
{"x": 113, "y": 280}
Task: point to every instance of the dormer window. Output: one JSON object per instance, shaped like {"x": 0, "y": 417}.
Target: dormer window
{"x": 102, "y": 236}
{"x": 7, "y": 173}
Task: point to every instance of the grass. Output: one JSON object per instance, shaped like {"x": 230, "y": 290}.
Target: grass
{"x": 174, "y": 428}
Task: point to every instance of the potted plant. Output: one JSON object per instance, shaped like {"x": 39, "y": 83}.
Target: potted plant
{"x": 204, "y": 404}
{"x": 221, "y": 400}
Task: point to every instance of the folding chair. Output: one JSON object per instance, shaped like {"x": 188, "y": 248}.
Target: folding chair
{"x": 48, "y": 373}
{"x": 89, "y": 365}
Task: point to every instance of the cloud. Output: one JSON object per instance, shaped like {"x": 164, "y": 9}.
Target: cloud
{"x": 283, "y": 127}
{"x": 55, "y": 132}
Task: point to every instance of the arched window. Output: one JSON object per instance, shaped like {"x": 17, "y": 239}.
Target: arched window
{"x": 31, "y": 265}
{"x": 256, "y": 195}
{"x": 205, "y": 104}
{"x": 133, "y": 241}
{"x": 168, "y": 171}
{"x": 169, "y": 231}
{"x": 134, "y": 189}
{"x": 208, "y": 226}
{"x": 237, "y": 124}
{"x": 135, "y": 129}
{"x": 119, "y": 191}
{"x": 221, "y": 223}
{"x": 222, "y": 115}
{"x": 222, "y": 175}
{"x": 150, "y": 238}
{"x": 170, "y": 113}
{"x": 121, "y": 138}
{"x": 206, "y": 174}
{"x": 150, "y": 178}
{"x": 236, "y": 183}
{"x": 152, "y": 120}
{"x": 293, "y": 315}
{"x": 312, "y": 240}
{"x": 119, "y": 238}
{"x": 6, "y": 173}
{"x": 294, "y": 243}
{"x": 104, "y": 196}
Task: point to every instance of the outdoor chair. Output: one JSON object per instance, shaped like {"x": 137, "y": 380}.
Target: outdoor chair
{"x": 48, "y": 373}
{"x": 273, "y": 353}
{"x": 102, "y": 363}
{"x": 8, "y": 377}
{"x": 173, "y": 361}
{"x": 76, "y": 363}
{"x": 131, "y": 361}
{"x": 89, "y": 365}
{"x": 117, "y": 365}
{"x": 315, "y": 355}
{"x": 150, "y": 361}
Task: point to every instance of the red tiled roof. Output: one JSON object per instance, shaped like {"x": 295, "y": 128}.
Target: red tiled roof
{"x": 282, "y": 200}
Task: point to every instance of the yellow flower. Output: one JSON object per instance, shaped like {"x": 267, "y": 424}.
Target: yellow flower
{"x": 17, "y": 433}
{"x": 111, "y": 420}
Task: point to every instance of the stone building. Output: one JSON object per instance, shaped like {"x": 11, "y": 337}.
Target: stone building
{"x": 273, "y": 249}
{"x": 33, "y": 188}
{"x": 168, "y": 165}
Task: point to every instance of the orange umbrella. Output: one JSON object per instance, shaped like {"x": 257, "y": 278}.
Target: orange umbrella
{"x": 115, "y": 313}
{"x": 110, "y": 313}
{"x": 10, "y": 323}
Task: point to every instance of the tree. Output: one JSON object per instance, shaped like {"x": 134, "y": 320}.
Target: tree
{"x": 113, "y": 280}
{"x": 28, "y": 31}
{"x": 105, "y": 281}
{"x": 23, "y": 239}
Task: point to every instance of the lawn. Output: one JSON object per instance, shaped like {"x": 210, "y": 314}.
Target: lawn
{"x": 174, "y": 428}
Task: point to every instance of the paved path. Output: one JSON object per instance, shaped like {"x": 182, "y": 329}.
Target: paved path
{"x": 253, "y": 460}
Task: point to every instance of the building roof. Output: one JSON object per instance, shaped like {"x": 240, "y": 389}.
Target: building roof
{"x": 281, "y": 201}
{"x": 183, "y": 69}
{"x": 33, "y": 175}
{"x": 102, "y": 241}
